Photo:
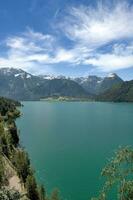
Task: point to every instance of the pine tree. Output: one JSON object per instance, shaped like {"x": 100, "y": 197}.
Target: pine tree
{"x": 55, "y": 195}
{"x": 31, "y": 186}
{"x": 42, "y": 193}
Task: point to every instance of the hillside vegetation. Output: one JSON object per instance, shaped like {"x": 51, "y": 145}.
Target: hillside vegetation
{"x": 17, "y": 180}
{"x": 119, "y": 93}
{"x": 118, "y": 176}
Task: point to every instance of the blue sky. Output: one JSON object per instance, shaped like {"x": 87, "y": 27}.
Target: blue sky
{"x": 68, "y": 37}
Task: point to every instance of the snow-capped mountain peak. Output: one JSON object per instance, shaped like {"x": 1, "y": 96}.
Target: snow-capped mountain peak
{"x": 111, "y": 75}
{"x": 15, "y": 72}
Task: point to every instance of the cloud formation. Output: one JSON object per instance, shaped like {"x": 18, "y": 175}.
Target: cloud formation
{"x": 100, "y": 25}
{"x": 90, "y": 31}
{"x": 33, "y": 49}
{"x": 27, "y": 50}
{"x": 95, "y": 28}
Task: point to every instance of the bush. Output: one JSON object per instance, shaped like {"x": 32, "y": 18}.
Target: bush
{"x": 21, "y": 161}
{"x": 31, "y": 186}
{"x": 42, "y": 193}
{"x": 6, "y": 194}
{"x": 119, "y": 173}
{"x": 1, "y": 171}
{"x": 14, "y": 134}
{"x": 5, "y": 141}
{"x": 55, "y": 195}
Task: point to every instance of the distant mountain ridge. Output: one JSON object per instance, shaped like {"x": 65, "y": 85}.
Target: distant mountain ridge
{"x": 92, "y": 84}
{"x": 97, "y": 85}
{"x": 20, "y": 85}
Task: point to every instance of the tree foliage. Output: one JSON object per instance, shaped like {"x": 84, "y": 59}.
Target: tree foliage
{"x": 119, "y": 172}
{"x": 8, "y": 105}
{"x": 7, "y": 194}
{"x": 118, "y": 93}
{"x": 21, "y": 161}
{"x": 14, "y": 134}
{"x": 31, "y": 186}
{"x": 1, "y": 170}
{"x": 42, "y": 192}
{"x": 5, "y": 141}
{"x": 55, "y": 195}
{"x": 13, "y": 153}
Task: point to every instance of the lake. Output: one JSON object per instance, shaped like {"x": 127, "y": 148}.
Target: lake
{"x": 69, "y": 142}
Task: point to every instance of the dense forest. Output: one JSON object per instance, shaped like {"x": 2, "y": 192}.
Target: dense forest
{"x": 17, "y": 179}
{"x": 119, "y": 93}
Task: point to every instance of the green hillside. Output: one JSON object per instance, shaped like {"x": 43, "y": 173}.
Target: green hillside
{"x": 119, "y": 93}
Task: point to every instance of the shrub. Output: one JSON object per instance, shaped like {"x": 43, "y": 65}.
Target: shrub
{"x": 31, "y": 186}
{"x": 6, "y": 194}
{"x": 119, "y": 173}
{"x": 55, "y": 195}
{"x": 21, "y": 161}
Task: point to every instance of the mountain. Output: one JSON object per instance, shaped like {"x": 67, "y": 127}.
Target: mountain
{"x": 60, "y": 87}
{"x": 108, "y": 82}
{"x": 91, "y": 83}
{"x": 119, "y": 93}
{"x": 20, "y": 85}
{"x": 98, "y": 85}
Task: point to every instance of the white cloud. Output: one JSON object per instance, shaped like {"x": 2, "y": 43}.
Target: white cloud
{"x": 111, "y": 62}
{"x": 121, "y": 57}
{"x": 32, "y": 49}
{"x": 95, "y": 28}
{"x": 89, "y": 30}
{"x": 28, "y": 50}
{"x": 100, "y": 25}
{"x": 123, "y": 49}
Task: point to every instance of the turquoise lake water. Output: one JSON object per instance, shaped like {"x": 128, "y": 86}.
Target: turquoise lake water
{"x": 69, "y": 142}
